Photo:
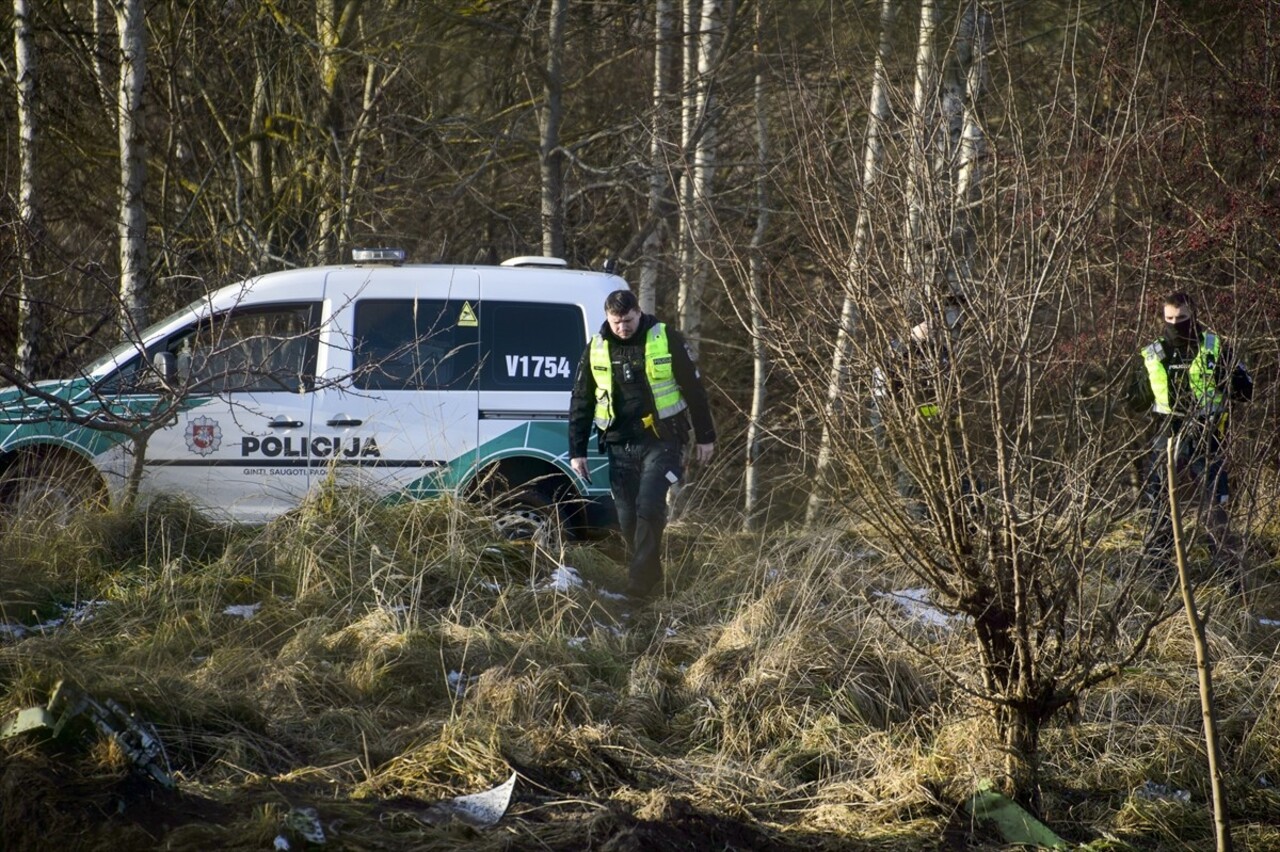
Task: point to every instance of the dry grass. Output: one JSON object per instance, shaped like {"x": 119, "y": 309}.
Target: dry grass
{"x": 398, "y": 656}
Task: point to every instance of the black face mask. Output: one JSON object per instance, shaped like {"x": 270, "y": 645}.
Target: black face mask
{"x": 1181, "y": 331}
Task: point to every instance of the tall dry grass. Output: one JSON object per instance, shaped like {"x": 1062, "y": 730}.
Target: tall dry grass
{"x": 398, "y": 655}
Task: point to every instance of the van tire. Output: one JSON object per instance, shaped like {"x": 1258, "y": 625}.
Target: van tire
{"x": 53, "y": 487}
{"x": 528, "y": 514}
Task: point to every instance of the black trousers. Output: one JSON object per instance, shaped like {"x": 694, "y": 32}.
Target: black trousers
{"x": 1197, "y": 453}
{"x": 640, "y": 474}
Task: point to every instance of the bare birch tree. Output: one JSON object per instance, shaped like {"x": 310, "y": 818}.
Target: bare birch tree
{"x": 660, "y": 144}
{"x": 28, "y": 225}
{"x": 550, "y": 157}
{"x": 132, "y": 227}
{"x": 858, "y": 265}
{"x": 336, "y": 23}
{"x": 691, "y": 21}
{"x": 921, "y": 167}
{"x": 703, "y": 134}
{"x": 756, "y": 285}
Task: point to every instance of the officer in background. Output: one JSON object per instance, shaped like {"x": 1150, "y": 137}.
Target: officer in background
{"x": 638, "y": 385}
{"x": 906, "y": 390}
{"x": 1189, "y": 375}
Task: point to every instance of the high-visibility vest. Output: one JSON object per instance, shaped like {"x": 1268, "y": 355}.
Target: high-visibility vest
{"x": 657, "y": 370}
{"x": 1208, "y": 398}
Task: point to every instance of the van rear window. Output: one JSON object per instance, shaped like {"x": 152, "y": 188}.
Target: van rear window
{"x": 531, "y": 346}
{"x": 416, "y": 344}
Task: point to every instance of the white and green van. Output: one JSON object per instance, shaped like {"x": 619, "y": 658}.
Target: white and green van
{"x": 407, "y": 380}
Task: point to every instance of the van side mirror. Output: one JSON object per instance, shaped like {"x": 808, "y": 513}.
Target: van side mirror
{"x": 166, "y": 366}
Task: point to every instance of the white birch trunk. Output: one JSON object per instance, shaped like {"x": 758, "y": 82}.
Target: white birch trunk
{"x": 659, "y": 143}
{"x": 690, "y": 16}
{"x": 706, "y": 136}
{"x": 132, "y": 227}
{"x": 103, "y": 15}
{"x": 28, "y": 229}
{"x": 972, "y": 137}
{"x": 260, "y": 158}
{"x": 873, "y": 155}
{"x": 919, "y": 183}
{"x": 326, "y": 179}
{"x": 759, "y": 352}
{"x": 550, "y": 157}
{"x": 335, "y": 24}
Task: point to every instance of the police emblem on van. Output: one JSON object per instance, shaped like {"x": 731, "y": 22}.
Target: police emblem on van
{"x": 204, "y": 435}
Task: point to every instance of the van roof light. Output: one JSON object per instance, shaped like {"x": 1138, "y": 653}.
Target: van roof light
{"x": 536, "y": 260}
{"x": 394, "y": 256}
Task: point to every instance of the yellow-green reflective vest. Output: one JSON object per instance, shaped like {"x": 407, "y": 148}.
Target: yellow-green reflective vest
{"x": 657, "y": 369}
{"x": 1204, "y": 391}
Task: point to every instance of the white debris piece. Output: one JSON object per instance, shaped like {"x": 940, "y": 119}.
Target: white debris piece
{"x": 245, "y": 611}
{"x": 306, "y": 822}
{"x": 483, "y": 810}
{"x": 1154, "y": 792}
{"x": 459, "y": 682}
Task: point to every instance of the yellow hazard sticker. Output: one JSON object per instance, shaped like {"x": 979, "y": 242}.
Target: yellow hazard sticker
{"x": 467, "y": 316}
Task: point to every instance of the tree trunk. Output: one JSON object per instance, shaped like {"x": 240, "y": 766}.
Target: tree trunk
{"x": 919, "y": 255}
{"x": 659, "y": 144}
{"x": 972, "y": 145}
{"x": 691, "y": 16}
{"x": 705, "y": 141}
{"x": 759, "y": 352}
{"x": 873, "y": 154}
{"x": 28, "y": 226}
{"x": 550, "y": 156}
{"x": 335, "y": 24}
{"x": 132, "y": 228}
{"x": 1204, "y": 668}
{"x": 260, "y": 157}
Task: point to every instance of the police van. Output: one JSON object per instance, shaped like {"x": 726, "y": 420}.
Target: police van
{"x": 406, "y": 380}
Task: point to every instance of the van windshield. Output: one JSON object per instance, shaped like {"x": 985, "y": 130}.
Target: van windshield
{"x": 121, "y": 351}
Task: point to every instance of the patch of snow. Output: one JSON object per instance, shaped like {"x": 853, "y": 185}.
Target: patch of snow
{"x": 917, "y": 605}
{"x": 563, "y": 579}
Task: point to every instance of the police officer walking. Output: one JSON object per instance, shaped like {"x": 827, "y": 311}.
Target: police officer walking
{"x": 1189, "y": 375}
{"x": 640, "y": 388}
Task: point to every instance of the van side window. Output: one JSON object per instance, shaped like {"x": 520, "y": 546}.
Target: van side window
{"x": 531, "y": 346}
{"x": 267, "y": 350}
{"x": 416, "y": 344}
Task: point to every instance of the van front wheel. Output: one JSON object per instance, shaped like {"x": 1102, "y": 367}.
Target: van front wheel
{"x": 527, "y": 514}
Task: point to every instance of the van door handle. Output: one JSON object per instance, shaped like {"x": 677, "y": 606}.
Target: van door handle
{"x": 281, "y": 423}
{"x": 343, "y": 422}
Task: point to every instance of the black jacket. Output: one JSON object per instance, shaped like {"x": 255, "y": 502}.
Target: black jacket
{"x": 633, "y": 400}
